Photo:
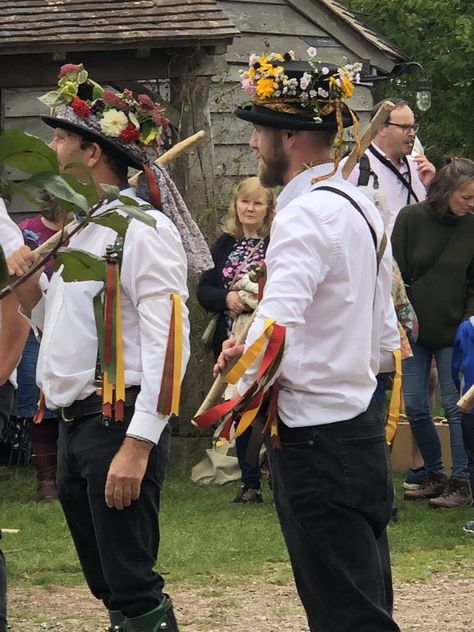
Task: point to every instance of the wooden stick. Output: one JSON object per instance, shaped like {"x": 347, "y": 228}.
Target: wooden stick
{"x": 368, "y": 136}
{"x": 166, "y": 158}
{"x": 466, "y": 402}
{"x": 219, "y": 385}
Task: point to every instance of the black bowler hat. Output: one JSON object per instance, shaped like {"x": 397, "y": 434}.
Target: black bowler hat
{"x": 299, "y": 95}
{"x": 121, "y": 123}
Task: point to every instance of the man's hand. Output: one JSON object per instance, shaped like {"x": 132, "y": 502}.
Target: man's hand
{"x": 230, "y": 350}
{"x": 29, "y": 292}
{"x": 426, "y": 170}
{"x": 126, "y": 473}
{"x": 234, "y": 304}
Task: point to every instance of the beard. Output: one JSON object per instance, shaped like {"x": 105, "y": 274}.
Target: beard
{"x": 273, "y": 169}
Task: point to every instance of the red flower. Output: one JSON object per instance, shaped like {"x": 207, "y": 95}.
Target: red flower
{"x": 67, "y": 69}
{"x": 130, "y": 134}
{"x": 80, "y": 107}
{"x": 159, "y": 118}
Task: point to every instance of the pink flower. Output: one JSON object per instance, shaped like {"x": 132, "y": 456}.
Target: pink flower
{"x": 248, "y": 86}
{"x": 159, "y": 118}
{"x": 111, "y": 98}
{"x": 67, "y": 69}
{"x": 146, "y": 103}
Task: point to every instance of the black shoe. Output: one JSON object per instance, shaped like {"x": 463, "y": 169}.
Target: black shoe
{"x": 248, "y": 495}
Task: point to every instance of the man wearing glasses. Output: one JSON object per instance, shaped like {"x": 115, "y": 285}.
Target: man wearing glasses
{"x": 388, "y": 165}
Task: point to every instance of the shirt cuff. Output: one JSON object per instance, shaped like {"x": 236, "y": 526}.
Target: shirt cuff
{"x": 147, "y": 425}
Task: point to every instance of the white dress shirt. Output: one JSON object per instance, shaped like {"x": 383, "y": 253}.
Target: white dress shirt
{"x": 322, "y": 285}
{"x": 393, "y": 190}
{"x": 11, "y": 239}
{"x": 153, "y": 266}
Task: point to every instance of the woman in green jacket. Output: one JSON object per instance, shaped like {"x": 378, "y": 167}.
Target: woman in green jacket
{"x": 433, "y": 244}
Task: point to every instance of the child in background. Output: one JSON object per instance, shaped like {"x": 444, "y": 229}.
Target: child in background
{"x": 463, "y": 377}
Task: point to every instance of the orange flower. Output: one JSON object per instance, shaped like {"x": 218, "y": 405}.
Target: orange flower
{"x": 265, "y": 88}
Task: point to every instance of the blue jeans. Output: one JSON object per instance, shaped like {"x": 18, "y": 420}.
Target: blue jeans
{"x": 416, "y": 374}
{"x": 250, "y": 473}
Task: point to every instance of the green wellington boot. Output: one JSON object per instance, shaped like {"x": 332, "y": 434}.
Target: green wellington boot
{"x": 117, "y": 621}
{"x": 160, "y": 619}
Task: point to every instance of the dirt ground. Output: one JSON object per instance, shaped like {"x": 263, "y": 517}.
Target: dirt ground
{"x": 446, "y": 605}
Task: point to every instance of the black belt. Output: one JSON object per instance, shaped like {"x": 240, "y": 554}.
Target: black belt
{"x": 92, "y": 405}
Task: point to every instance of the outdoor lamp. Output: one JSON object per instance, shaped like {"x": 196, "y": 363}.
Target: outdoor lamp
{"x": 423, "y": 86}
{"x": 423, "y": 95}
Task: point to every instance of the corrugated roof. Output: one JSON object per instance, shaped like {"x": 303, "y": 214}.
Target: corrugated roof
{"x": 45, "y": 25}
{"x": 369, "y": 34}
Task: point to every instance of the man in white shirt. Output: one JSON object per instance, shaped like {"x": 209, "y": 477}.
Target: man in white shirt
{"x": 110, "y": 472}
{"x": 389, "y": 166}
{"x": 331, "y": 476}
{"x": 13, "y": 332}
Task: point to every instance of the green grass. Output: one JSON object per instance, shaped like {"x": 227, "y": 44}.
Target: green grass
{"x": 206, "y": 540}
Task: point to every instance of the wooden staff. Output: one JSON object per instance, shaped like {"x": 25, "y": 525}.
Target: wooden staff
{"x": 379, "y": 120}
{"x": 368, "y": 136}
{"x": 467, "y": 400}
{"x": 166, "y": 158}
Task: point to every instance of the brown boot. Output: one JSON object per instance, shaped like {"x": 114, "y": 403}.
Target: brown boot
{"x": 457, "y": 493}
{"x": 433, "y": 485}
{"x": 45, "y": 466}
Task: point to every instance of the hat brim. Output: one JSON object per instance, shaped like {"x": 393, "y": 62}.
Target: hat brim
{"x": 260, "y": 115}
{"x": 91, "y": 136}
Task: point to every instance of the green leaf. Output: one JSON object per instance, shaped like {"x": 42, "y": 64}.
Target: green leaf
{"x": 4, "y": 277}
{"x": 112, "y": 219}
{"x": 60, "y": 188}
{"x": 137, "y": 213}
{"x": 87, "y": 189}
{"x": 111, "y": 192}
{"x": 80, "y": 265}
{"x": 26, "y": 152}
{"x": 129, "y": 201}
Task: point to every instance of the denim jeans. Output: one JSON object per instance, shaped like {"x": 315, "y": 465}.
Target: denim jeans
{"x": 117, "y": 549}
{"x": 416, "y": 374}
{"x": 333, "y": 493}
{"x": 250, "y": 473}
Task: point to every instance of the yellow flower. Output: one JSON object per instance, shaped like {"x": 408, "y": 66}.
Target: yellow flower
{"x": 251, "y": 73}
{"x": 347, "y": 87}
{"x": 113, "y": 123}
{"x": 265, "y": 88}
{"x": 69, "y": 90}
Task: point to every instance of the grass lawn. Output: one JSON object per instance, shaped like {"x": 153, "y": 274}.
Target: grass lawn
{"x": 206, "y": 539}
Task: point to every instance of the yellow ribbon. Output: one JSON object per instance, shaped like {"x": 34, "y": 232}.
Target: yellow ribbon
{"x": 395, "y": 400}
{"x": 250, "y": 355}
{"x": 177, "y": 316}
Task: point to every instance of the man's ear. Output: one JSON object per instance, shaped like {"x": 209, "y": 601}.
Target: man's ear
{"x": 95, "y": 153}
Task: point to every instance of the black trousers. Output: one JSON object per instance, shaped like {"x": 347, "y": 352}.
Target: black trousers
{"x": 467, "y": 424}
{"x": 333, "y": 493}
{"x": 6, "y": 406}
{"x": 117, "y": 549}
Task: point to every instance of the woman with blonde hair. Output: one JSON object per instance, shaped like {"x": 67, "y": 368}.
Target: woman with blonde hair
{"x": 227, "y": 291}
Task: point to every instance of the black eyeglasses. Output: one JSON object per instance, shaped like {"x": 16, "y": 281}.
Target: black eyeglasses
{"x": 406, "y": 127}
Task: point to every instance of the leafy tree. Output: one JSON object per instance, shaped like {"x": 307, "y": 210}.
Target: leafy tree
{"x": 439, "y": 34}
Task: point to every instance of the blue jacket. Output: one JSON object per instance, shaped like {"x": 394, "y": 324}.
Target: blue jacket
{"x": 463, "y": 356}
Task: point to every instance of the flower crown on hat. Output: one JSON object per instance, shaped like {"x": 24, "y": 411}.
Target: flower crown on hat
{"x": 119, "y": 116}
{"x": 317, "y": 91}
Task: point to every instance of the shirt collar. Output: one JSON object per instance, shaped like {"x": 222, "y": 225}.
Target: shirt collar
{"x": 301, "y": 184}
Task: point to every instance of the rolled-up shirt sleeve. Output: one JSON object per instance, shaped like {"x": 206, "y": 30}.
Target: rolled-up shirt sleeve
{"x": 154, "y": 267}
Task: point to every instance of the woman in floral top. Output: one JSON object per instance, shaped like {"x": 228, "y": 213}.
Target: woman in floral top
{"x": 226, "y": 290}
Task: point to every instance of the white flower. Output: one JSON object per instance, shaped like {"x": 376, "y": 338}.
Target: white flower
{"x": 253, "y": 59}
{"x": 113, "y": 123}
{"x": 305, "y": 80}
{"x": 325, "y": 70}
{"x": 291, "y": 53}
{"x": 323, "y": 93}
{"x": 311, "y": 52}
{"x": 317, "y": 119}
